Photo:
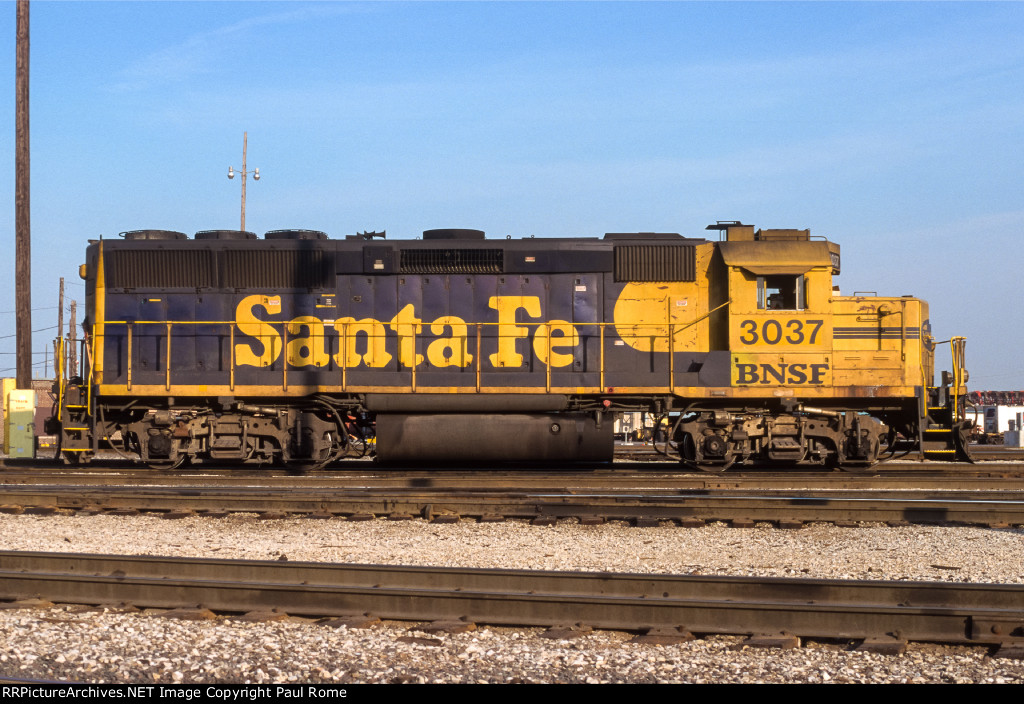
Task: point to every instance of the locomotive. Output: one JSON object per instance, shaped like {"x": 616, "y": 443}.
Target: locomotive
{"x": 299, "y": 350}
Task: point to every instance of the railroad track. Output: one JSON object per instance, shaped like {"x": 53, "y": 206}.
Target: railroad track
{"x": 980, "y": 453}
{"x": 989, "y": 495}
{"x": 885, "y": 613}
{"x": 644, "y": 506}
{"x": 620, "y": 475}
{"x": 631, "y": 453}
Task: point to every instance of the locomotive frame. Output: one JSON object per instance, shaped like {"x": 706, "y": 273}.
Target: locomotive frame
{"x": 296, "y": 349}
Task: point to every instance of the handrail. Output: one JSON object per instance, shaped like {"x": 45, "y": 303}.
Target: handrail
{"x": 129, "y": 345}
{"x": 344, "y": 357}
{"x": 903, "y": 329}
{"x": 280, "y": 335}
{"x": 479, "y": 354}
{"x": 672, "y": 332}
{"x": 60, "y": 371}
{"x": 958, "y": 347}
{"x": 671, "y": 344}
{"x": 958, "y": 354}
{"x": 90, "y": 349}
{"x": 706, "y": 315}
{"x": 168, "y": 363}
{"x": 547, "y": 367}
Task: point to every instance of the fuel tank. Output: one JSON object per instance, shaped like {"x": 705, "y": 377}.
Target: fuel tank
{"x": 491, "y": 437}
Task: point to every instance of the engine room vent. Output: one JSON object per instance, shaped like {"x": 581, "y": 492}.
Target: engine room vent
{"x": 295, "y": 235}
{"x": 452, "y": 261}
{"x": 453, "y": 233}
{"x": 225, "y": 235}
{"x": 154, "y": 235}
{"x": 656, "y": 263}
{"x": 287, "y": 268}
{"x": 161, "y": 268}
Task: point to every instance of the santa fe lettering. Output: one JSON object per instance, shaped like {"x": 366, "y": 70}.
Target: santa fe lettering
{"x": 365, "y": 342}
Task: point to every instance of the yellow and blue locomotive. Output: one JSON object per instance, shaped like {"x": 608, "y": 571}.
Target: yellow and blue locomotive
{"x": 295, "y": 348}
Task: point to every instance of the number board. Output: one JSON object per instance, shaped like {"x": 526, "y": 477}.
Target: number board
{"x": 776, "y": 332}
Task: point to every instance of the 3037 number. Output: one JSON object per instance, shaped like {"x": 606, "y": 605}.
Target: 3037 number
{"x": 772, "y": 332}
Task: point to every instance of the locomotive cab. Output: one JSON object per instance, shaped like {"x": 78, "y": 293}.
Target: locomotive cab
{"x": 780, "y": 341}
{"x": 780, "y": 327}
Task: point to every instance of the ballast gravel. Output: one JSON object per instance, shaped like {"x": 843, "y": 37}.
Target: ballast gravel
{"x": 77, "y": 644}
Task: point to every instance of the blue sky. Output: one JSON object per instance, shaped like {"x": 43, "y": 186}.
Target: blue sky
{"x": 895, "y": 129}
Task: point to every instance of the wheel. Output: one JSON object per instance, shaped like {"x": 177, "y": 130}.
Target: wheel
{"x": 712, "y": 468}
{"x": 858, "y": 467}
{"x": 167, "y": 464}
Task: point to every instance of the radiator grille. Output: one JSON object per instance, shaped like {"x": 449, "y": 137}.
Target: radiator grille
{"x": 161, "y": 268}
{"x": 275, "y": 269}
{"x": 204, "y": 268}
{"x": 655, "y": 263}
{"x": 452, "y": 261}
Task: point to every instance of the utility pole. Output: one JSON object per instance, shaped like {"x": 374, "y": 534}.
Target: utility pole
{"x": 245, "y": 147}
{"x": 73, "y": 342}
{"x": 22, "y": 225}
{"x": 255, "y": 173}
{"x": 59, "y": 353}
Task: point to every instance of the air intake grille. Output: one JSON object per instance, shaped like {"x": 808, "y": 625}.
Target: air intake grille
{"x": 655, "y": 263}
{"x": 160, "y": 269}
{"x": 452, "y": 261}
{"x": 276, "y": 269}
{"x": 204, "y": 268}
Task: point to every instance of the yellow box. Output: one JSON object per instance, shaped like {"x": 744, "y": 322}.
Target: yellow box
{"x": 19, "y": 423}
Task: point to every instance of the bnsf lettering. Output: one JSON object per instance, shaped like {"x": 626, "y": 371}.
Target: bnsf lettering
{"x": 364, "y": 342}
{"x": 789, "y": 374}
{"x": 772, "y": 331}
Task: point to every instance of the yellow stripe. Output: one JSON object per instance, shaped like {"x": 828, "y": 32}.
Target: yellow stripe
{"x": 698, "y": 392}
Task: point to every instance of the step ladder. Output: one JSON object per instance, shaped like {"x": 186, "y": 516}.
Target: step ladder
{"x": 945, "y": 428}
{"x": 75, "y": 428}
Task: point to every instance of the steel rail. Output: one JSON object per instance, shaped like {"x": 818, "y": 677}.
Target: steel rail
{"x": 640, "y": 456}
{"x": 487, "y": 479}
{"x": 979, "y": 453}
{"x": 977, "y": 508}
{"x": 930, "y": 611}
{"x": 989, "y": 508}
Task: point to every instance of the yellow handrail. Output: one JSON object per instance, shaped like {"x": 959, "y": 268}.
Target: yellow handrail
{"x": 129, "y": 356}
{"x": 545, "y": 328}
{"x": 479, "y": 354}
{"x": 168, "y": 362}
{"x": 60, "y": 372}
{"x": 958, "y": 347}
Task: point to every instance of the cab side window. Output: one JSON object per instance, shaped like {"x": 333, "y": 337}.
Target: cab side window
{"x": 781, "y": 292}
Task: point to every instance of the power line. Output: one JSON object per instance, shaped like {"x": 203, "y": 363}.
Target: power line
{"x": 34, "y": 364}
{"x": 52, "y": 327}
{"x": 11, "y": 312}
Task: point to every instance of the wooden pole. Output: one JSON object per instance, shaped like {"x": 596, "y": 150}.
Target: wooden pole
{"x": 60, "y": 356}
{"x": 22, "y": 255}
{"x": 73, "y": 342}
{"x": 245, "y": 146}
